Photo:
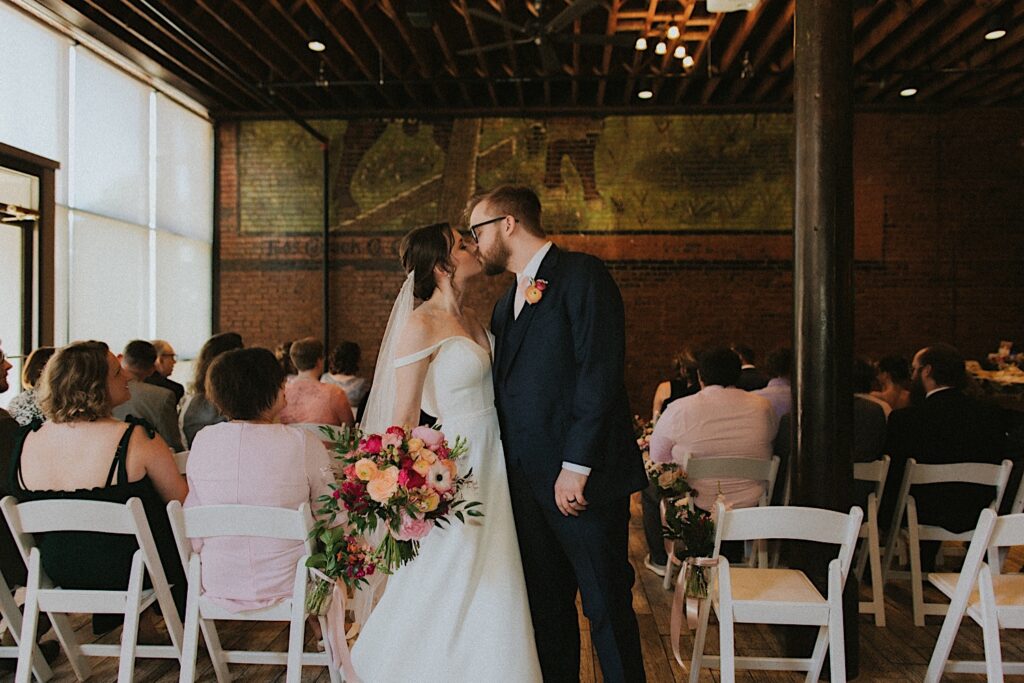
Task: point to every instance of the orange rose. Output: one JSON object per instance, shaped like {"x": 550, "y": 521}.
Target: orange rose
{"x": 383, "y": 485}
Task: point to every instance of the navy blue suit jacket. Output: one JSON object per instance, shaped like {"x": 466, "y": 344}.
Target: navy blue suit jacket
{"x": 559, "y": 380}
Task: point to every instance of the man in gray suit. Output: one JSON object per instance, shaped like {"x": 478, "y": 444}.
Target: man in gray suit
{"x": 154, "y": 404}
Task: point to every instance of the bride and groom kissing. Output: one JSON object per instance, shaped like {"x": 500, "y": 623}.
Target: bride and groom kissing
{"x": 541, "y": 399}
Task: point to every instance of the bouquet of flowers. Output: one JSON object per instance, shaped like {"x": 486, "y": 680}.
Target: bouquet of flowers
{"x": 669, "y": 479}
{"x": 342, "y": 558}
{"x": 695, "y": 528}
{"x": 408, "y": 483}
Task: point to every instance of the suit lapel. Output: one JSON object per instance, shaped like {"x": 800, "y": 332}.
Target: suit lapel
{"x": 503, "y": 314}
{"x": 518, "y": 327}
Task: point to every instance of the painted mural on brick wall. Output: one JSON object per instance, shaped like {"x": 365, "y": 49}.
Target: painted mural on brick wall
{"x": 650, "y": 173}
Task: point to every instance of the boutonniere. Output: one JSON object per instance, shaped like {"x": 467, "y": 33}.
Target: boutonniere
{"x": 535, "y": 291}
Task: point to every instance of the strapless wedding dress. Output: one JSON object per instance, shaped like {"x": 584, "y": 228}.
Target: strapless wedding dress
{"x": 459, "y": 611}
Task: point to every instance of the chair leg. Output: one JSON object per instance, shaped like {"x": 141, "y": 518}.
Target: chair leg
{"x": 698, "y": 639}
{"x": 130, "y": 631}
{"x": 69, "y": 643}
{"x": 726, "y": 646}
{"x": 670, "y": 554}
{"x": 29, "y": 622}
{"x": 877, "y": 584}
{"x": 990, "y": 628}
{"x": 332, "y": 670}
{"x": 216, "y": 652}
{"x": 916, "y": 580}
{"x": 10, "y": 612}
{"x": 818, "y": 656}
{"x": 190, "y": 634}
{"x": 862, "y": 560}
{"x": 836, "y": 639}
{"x": 296, "y": 635}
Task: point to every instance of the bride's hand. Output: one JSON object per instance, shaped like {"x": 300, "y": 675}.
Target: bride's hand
{"x": 569, "y": 493}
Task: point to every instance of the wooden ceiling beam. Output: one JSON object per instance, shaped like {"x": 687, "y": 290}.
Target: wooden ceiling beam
{"x": 161, "y": 52}
{"x": 386, "y": 53}
{"x": 481, "y": 59}
{"x": 667, "y": 58}
{"x": 606, "y": 53}
{"x": 769, "y": 46}
{"x": 638, "y": 56}
{"x": 405, "y": 31}
{"x": 451, "y": 66}
{"x": 736, "y": 43}
{"x": 340, "y": 39}
{"x": 513, "y": 59}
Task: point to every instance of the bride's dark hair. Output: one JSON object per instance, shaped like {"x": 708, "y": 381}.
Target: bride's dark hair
{"x": 422, "y": 250}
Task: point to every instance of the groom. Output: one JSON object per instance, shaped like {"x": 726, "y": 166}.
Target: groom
{"x": 566, "y": 429}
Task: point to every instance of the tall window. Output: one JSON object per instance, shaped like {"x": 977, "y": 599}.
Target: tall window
{"x": 134, "y": 232}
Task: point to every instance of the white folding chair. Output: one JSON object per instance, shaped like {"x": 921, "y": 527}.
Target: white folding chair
{"x": 906, "y": 509}
{"x": 757, "y": 469}
{"x": 248, "y": 521}
{"x": 777, "y": 596}
{"x": 991, "y": 599}
{"x": 876, "y": 472}
{"x": 42, "y": 516}
{"x": 181, "y": 460}
{"x": 10, "y": 613}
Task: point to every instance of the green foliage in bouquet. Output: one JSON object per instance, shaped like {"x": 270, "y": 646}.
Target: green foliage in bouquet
{"x": 695, "y": 530}
{"x": 343, "y": 558}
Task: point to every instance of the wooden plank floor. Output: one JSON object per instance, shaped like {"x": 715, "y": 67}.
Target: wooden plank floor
{"x": 897, "y": 653}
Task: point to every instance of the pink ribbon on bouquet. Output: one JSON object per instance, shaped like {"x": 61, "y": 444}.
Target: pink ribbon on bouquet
{"x": 683, "y": 603}
{"x": 336, "y": 628}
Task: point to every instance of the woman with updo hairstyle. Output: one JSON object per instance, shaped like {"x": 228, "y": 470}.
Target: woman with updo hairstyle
{"x": 197, "y": 411}
{"x": 893, "y": 374}
{"x": 82, "y": 453}
{"x": 683, "y": 382}
{"x": 252, "y": 460}
{"x": 25, "y": 406}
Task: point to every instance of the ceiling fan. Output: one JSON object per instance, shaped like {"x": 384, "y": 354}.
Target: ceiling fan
{"x": 543, "y": 33}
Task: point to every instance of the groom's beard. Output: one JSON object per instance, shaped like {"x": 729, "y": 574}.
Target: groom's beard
{"x": 495, "y": 262}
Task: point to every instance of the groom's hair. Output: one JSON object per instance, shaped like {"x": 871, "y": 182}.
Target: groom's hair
{"x": 512, "y": 200}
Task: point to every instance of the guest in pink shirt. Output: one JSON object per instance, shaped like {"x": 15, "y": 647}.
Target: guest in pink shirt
{"x": 250, "y": 460}
{"x": 720, "y": 420}
{"x": 311, "y": 401}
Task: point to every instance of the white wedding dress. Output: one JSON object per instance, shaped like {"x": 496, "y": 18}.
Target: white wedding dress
{"x": 459, "y": 611}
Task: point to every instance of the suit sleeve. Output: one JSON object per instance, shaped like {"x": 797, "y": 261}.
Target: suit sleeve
{"x": 597, "y": 320}
{"x": 168, "y": 422}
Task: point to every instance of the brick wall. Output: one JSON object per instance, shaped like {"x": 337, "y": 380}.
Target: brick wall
{"x": 939, "y": 242}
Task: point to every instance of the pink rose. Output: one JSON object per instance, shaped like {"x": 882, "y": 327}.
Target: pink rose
{"x": 371, "y": 444}
{"x": 411, "y": 479}
{"x": 396, "y": 430}
{"x": 390, "y": 439}
{"x": 412, "y": 529}
{"x": 430, "y": 437}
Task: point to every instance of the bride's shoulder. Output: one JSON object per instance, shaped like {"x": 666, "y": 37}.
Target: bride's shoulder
{"x": 419, "y": 331}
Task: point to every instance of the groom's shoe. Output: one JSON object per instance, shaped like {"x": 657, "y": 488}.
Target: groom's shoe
{"x": 658, "y": 569}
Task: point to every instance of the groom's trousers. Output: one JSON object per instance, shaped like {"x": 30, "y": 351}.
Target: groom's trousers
{"x": 589, "y": 553}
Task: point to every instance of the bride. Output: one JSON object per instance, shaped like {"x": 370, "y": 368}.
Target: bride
{"x": 459, "y": 611}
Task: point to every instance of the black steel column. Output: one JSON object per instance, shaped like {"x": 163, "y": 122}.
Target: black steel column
{"x": 326, "y": 147}
{"x": 823, "y": 275}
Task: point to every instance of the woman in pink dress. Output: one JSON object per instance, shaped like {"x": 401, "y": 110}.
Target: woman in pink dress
{"x": 252, "y": 461}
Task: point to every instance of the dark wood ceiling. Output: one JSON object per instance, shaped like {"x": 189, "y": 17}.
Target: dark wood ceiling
{"x": 246, "y": 58}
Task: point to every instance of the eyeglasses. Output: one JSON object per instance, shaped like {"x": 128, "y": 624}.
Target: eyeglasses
{"x": 473, "y": 228}
{"x": 172, "y": 356}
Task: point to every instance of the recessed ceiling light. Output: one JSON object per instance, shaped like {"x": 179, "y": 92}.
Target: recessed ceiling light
{"x": 316, "y": 46}
{"x": 645, "y": 94}
{"x": 995, "y": 34}
{"x": 641, "y": 43}
{"x": 908, "y": 92}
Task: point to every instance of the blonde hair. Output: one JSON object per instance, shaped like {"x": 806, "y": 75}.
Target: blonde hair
{"x": 73, "y": 387}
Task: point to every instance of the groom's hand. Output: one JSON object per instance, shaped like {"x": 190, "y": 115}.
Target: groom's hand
{"x": 569, "y": 492}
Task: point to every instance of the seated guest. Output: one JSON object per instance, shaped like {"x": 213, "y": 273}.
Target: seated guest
{"x": 344, "y": 366}
{"x": 779, "y": 391}
{"x": 283, "y": 355}
{"x": 197, "y": 411}
{"x": 310, "y": 401}
{"x": 751, "y": 378}
{"x": 683, "y": 383}
{"x": 720, "y": 420}
{"x": 82, "y": 453}
{"x": 155, "y": 405}
{"x": 864, "y": 378}
{"x": 11, "y": 566}
{"x": 252, "y": 461}
{"x": 894, "y": 378}
{"x": 944, "y": 426}
{"x": 164, "y": 367}
{"x": 25, "y": 406}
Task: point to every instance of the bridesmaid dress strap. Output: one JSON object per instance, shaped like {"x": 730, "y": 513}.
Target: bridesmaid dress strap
{"x": 120, "y": 455}
{"x": 14, "y": 477}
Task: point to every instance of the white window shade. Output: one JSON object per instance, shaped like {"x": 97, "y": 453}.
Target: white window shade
{"x": 184, "y": 171}
{"x": 110, "y": 149}
{"x": 34, "y": 85}
{"x": 108, "y": 296}
{"x": 183, "y": 292}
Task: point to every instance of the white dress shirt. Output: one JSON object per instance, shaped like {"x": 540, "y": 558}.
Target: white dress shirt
{"x": 717, "y": 422}
{"x": 530, "y": 273}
